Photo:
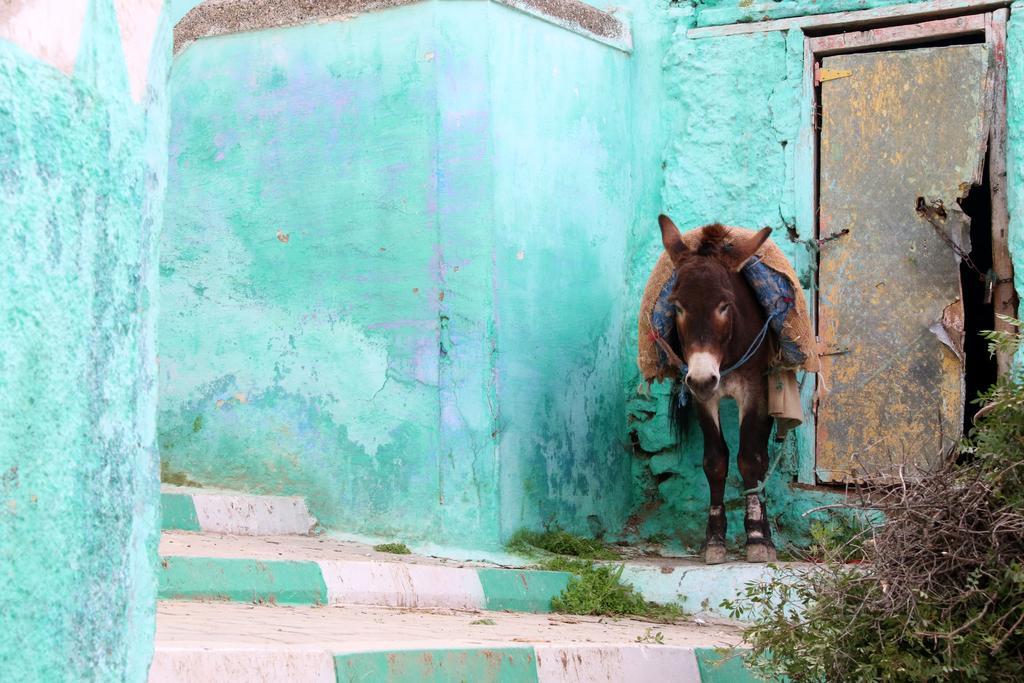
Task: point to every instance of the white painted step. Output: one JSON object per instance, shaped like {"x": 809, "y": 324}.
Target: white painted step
{"x": 229, "y": 512}
{"x": 228, "y": 642}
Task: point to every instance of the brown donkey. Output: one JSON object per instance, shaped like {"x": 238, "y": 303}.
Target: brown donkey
{"x": 720, "y": 341}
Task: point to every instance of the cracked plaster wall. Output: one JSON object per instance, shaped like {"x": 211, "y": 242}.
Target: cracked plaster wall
{"x": 389, "y": 276}
{"x": 563, "y": 196}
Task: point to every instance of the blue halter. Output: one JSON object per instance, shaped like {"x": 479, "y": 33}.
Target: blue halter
{"x": 751, "y": 351}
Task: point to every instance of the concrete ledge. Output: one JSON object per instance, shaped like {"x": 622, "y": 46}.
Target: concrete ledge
{"x": 223, "y": 17}
{"x": 439, "y": 664}
{"x": 177, "y": 511}
{"x": 578, "y": 17}
{"x": 230, "y": 513}
{"x": 357, "y": 574}
{"x": 522, "y": 590}
{"x": 392, "y": 584}
{"x": 718, "y": 667}
{"x": 699, "y": 588}
{"x": 789, "y": 14}
{"x": 562, "y": 664}
{"x": 192, "y": 664}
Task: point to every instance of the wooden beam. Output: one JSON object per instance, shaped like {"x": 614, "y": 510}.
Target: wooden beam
{"x": 919, "y": 11}
{"x": 893, "y": 36}
{"x": 1004, "y": 295}
{"x": 805, "y": 186}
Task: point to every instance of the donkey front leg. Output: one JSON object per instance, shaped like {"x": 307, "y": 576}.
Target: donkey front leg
{"x": 755, "y": 428}
{"x": 716, "y": 468}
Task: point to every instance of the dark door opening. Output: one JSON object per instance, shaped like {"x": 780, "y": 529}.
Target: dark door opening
{"x": 980, "y": 368}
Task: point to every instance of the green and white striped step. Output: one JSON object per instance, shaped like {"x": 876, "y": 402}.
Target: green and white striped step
{"x": 294, "y": 570}
{"x": 228, "y": 512}
{"x": 259, "y": 549}
{"x": 231, "y": 642}
{"x": 319, "y": 570}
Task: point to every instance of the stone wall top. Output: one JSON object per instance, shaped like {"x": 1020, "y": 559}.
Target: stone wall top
{"x": 222, "y": 17}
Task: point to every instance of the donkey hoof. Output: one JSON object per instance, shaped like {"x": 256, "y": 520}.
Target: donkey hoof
{"x": 714, "y": 554}
{"x": 760, "y": 552}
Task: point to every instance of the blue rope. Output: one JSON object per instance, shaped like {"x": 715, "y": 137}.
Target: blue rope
{"x": 754, "y": 346}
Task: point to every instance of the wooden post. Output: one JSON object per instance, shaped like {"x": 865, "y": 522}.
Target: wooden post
{"x": 1004, "y": 297}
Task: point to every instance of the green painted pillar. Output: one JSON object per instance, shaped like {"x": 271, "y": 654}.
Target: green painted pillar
{"x": 83, "y": 141}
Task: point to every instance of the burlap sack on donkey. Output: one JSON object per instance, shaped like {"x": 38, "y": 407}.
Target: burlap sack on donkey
{"x": 794, "y": 332}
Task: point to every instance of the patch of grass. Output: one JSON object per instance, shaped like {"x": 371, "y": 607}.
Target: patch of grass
{"x": 169, "y": 476}
{"x": 483, "y": 622}
{"x": 600, "y": 590}
{"x": 559, "y": 542}
{"x": 393, "y": 548}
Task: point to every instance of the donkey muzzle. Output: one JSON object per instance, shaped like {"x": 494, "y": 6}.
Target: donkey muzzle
{"x": 703, "y": 376}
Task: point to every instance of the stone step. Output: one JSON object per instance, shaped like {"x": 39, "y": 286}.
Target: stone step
{"x": 312, "y": 570}
{"x": 234, "y": 642}
{"x": 229, "y": 512}
{"x": 300, "y": 570}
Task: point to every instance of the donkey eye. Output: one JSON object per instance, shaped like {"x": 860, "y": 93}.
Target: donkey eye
{"x": 723, "y": 308}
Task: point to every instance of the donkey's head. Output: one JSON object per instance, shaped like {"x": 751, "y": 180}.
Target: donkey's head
{"x": 713, "y": 305}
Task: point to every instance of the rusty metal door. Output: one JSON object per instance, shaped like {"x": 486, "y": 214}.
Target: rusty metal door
{"x": 895, "y": 126}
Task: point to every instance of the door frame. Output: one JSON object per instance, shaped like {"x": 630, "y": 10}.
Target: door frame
{"x": 838, "y": 39}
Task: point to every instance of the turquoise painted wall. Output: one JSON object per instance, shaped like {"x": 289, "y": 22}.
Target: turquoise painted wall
{"x": 563, "y": 200}
{"x": 81, "y": 191}
{"x": 357, "y": 296}
{"x": 300, "y": 269}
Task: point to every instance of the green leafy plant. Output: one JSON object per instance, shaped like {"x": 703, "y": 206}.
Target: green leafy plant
{"x": 598, "y": 589}
{"x": 559, "y": 542}
{"x": 650, "y": 637}
{"x": 393, "y": 548}
{"x": 940, "y": 595}
{"x": 844, "y": 535}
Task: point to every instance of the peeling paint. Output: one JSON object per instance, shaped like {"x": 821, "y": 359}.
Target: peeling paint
{"x": 397, "y": 355}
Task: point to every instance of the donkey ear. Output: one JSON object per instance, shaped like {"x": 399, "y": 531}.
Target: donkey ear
{"x": 742, "y": 251}
{"x": 672, "y": 240}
